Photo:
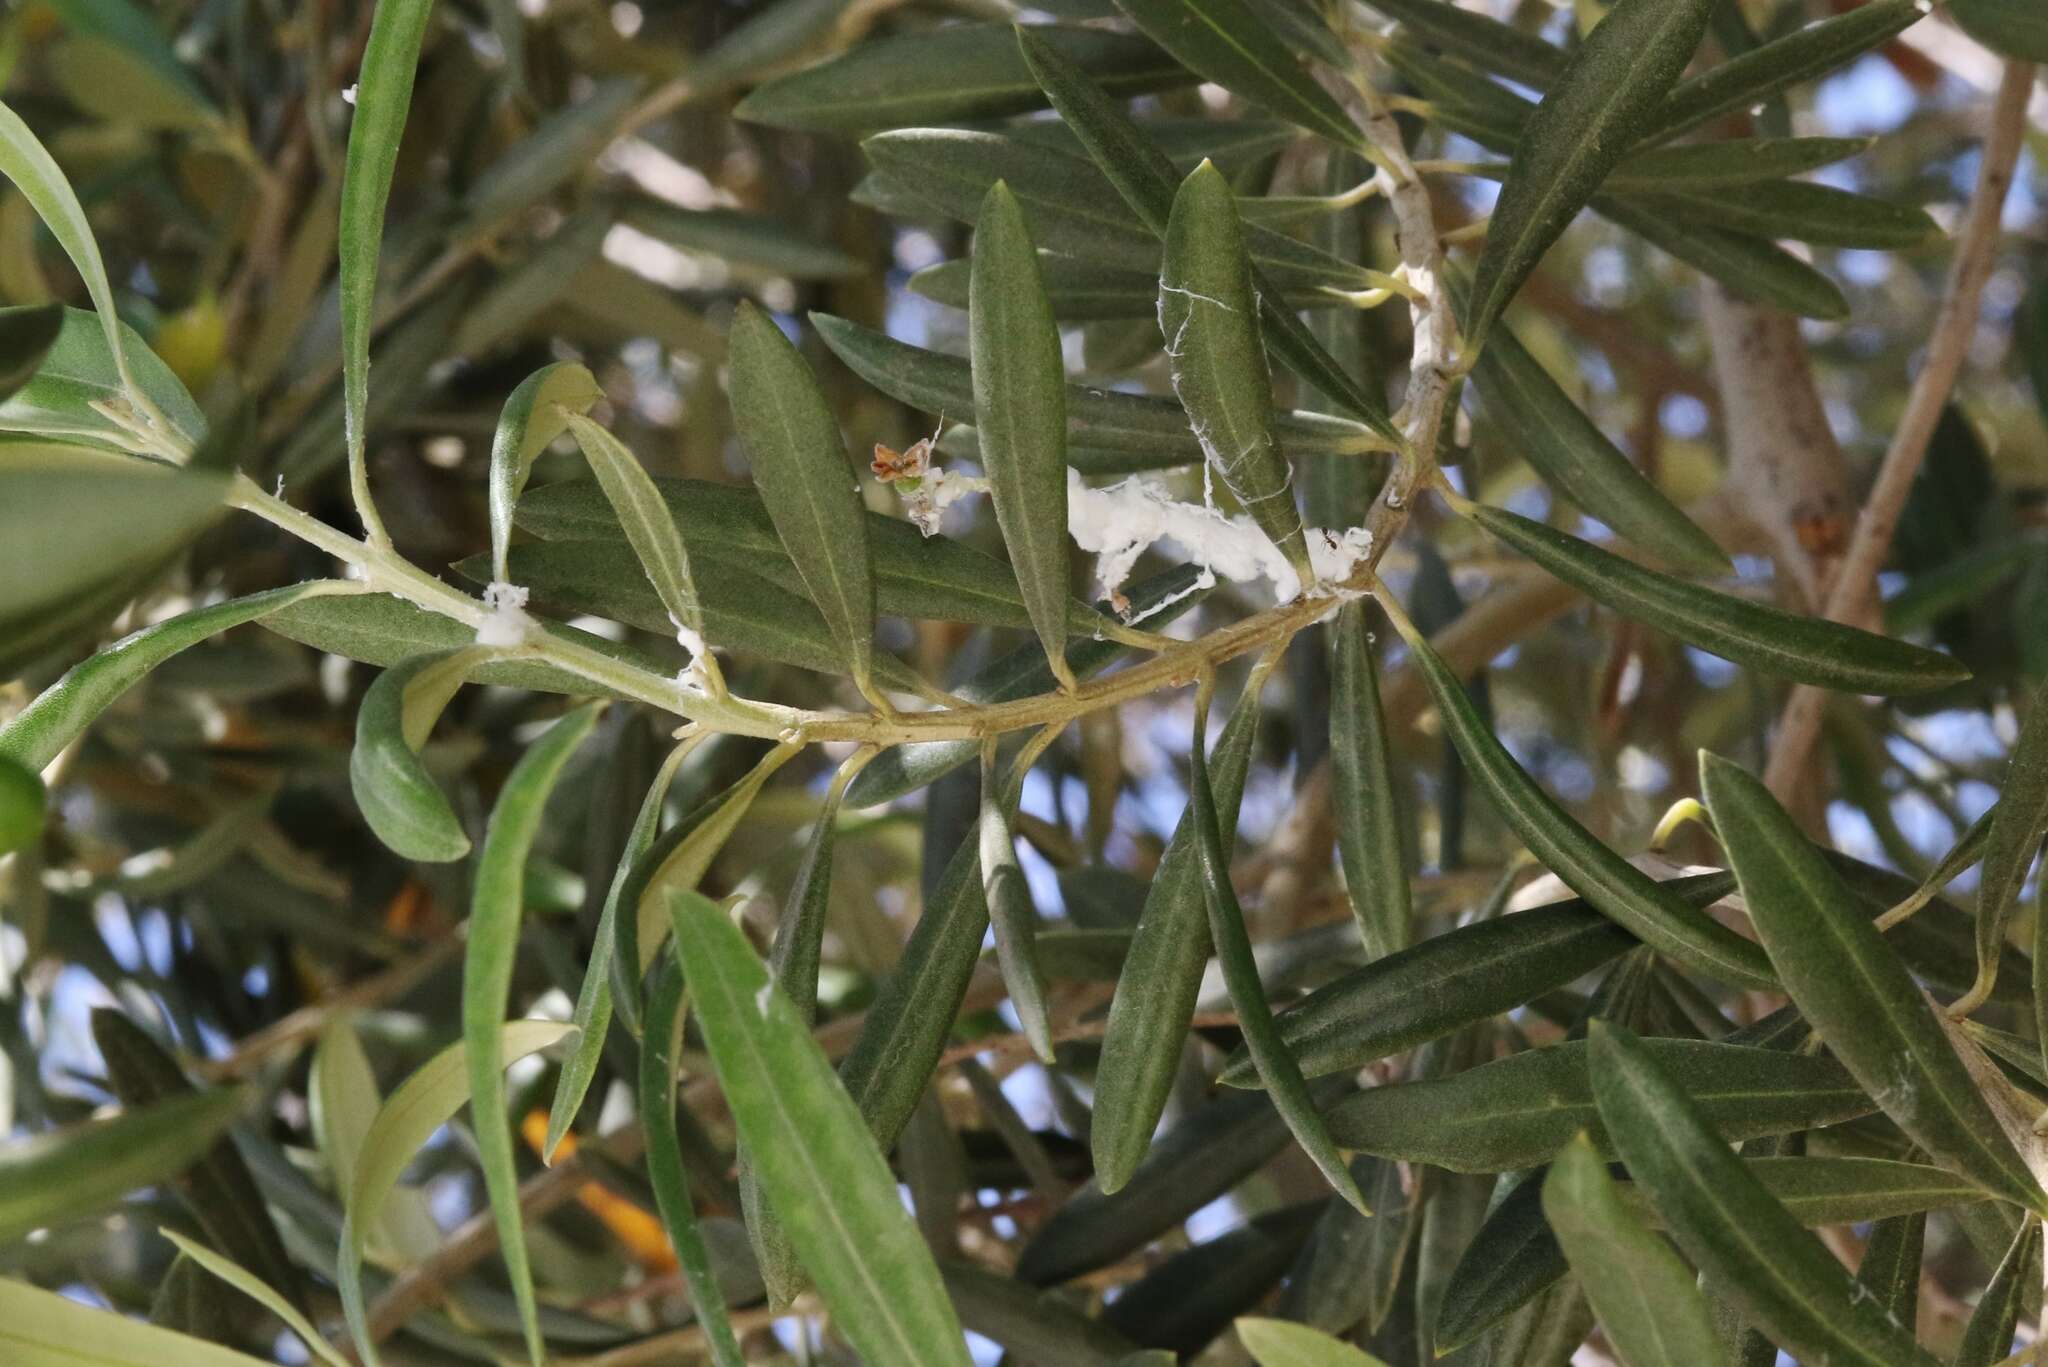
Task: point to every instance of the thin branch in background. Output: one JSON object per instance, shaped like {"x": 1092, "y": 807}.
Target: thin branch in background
{"x": 1854, "y": 595}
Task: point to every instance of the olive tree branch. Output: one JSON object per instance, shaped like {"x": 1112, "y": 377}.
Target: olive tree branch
{"x": 1854, "y": 592}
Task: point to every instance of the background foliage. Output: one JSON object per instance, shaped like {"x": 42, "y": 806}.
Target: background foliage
{"x": 670, "y": 196}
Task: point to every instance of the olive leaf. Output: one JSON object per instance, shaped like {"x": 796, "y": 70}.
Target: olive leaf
{"x": 535, "y": 414}
{"x": 2013, "y": 27}
{"x": 396, "y": 794}
{"x": 66, "y": 1174}
{"x": 1228, "y": 42}
{"x": 1208, "y": 314}
{"x": 21, "y": 805}
{"x": 799, "y": 461}
{"x": 2018, "y": 823}
{"x": 1368, "y": 816}
{"x": 649, "y": 529}
{"x": 1020, "y": 414}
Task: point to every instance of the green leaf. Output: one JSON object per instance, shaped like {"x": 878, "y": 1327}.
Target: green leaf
{"x": 1147, "y": 179}
{"x": 2019, "y": 821}
{"x": 798, "y": 458}
{"x": 1082, "y": 292}
{"x": 1020, "y": 414}
{"x": 496, "y": 909}
{"x": 1617, "y": 889}
{"x": 342, "y": 1100}
{"x": 1011, "y": 913}
{"x": 2007, "y": 1296}
{"x": 1729, "y": 161}
{"x": 2015, "y": 28}
{"x": 1746, "y": 1243}
{"x": 422, "y": 1104}
{"x": 1890, "y": 1266}
{"x": 535, "y": 414}
{"x": 1162, "y": 973}
{"x": 65, "y": 1175}
{"x": 1110, "y": 432}
{"x": 659, "y": 1046}
{"x": 119, "y": 85}
{"x": 43, "y": 1329}
{"x": 78, "y": 385}
{"x": 260, "y": 1291}
{"x": 26, "y": 336}
{"x": 1855, "y": 990}
{"x": 1517, "y": 1112}
{"x": 1226, "y": 41}
{"x": 1037, "y": 1326}
{"x": 593, "y": 1014}
{"x": 1741, "y": 82}
{"x": 888, "y": 83}
{"x": 397, "y": 796}
{"x": 1487, "y": 43}
{"x": 915, "y": 575}
{"x": 217, "y": 1188}
{"x": 21, "y": 805}
{"x": 25, "y": 161}
{"x": 1068, "y": 205}
{"x": 649, "y": 529}
{"x": 61, "y": 712}
{"x": 1615, "y": 80}
{"x": 767, "y": 40}
{"x": 1800, "y": 210}
{"x": 1809, "y": 650}
{"x": 561, "y": 146}
{"x": 1276, "y": 1063}
{"x": 71, "y": 516}
{"x": 1208, "y": 313}
{"x": 1646, "y": 1298}
{"x": 1759, "y": 271}
{"x": 826, "y": 1179}
{"x": 758, "y": 242}
{"x": 383, "y": 98}
{"x": 1363, "y": 796}
{"x": 1574, "y": 457}
{"x": 1278, "y": 1343}
{"x": 1459, "y": 978}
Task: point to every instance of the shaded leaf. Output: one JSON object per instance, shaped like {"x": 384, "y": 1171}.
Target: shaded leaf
{"x": 1226, "y": 41}
{"x": 2015, "y": 28}
{"x": 26, "y": 335}
{"x": 2007, "y": 1296}
{"x": 1011, "y": 913}
{"x": 397, "y": 796}
{"x": 1368, "y": 816}
{"x": 1800, "y": 210}
{"x": 254, "y": 1287}
{"x": 64, "y": 1175}
{"x": 2018, "y": 823}
{"x": 43, "y": 1329}
{"x": 21, "y": 805}
{"x": 1759, "y": 271}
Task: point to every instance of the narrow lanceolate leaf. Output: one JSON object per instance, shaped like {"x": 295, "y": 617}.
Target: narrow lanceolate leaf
{"x": 383, "y": 98}
{"x": 1760, "y": 271}
{"x": 495, "y": 913}
{"x": 1730, "y": 161}
{"x": 26, "y": 334}
{"x": 22, "y": 802}
{"x": 422, "y": 1104}
{"x": 217, "y": 1188}
{"x": 1228, "y": 42}
{"x": 1020, "y": 414}
{"x": 68, "y": 1174}
{"x": 1807, "y": 650}
{"x": 1208, "y": 315}
{"x": 889, "y": 83}
{"x": 25, "y": 161}
{"x": 659, "y": 1045}
{"x": 821, "y": 1171}
{"x": 1110, "y": 431}
{"x": 799, "y": 461}
{"x": 593, "y": 1014}
{"x": 1747, "y": 1244}
{"x": 1617, "y": 889}
{"x": 1762, "y": 72}
{"x": 1615, "y": 80}
{"x": 1010, "y": 911}
{"x": 1147, "y": 179}
{"x": 1368, "y": 818}
{"x": 2008, "y": 1295}
{"x": 1459, "y": 978}
{"x": 1647, "y": 1300}
{"x": 1801, "y": 211}
{"x": 258, "y": 1290}
{"x": 40, "y": 1328}
{"x": 1280, "y": 1343}
{"x": 1517, "y": 1112}
{"x": 396, "y": 794}
{"x": 2018, "y": 823}
{"x": 1854, "y": 989}
{"x": 534, "y": 415}
{"x": 1162, "y": 974}
{"x": 1890, "y": 1267}
{"x": 1270, "y": 1054}
{"x": 663, "y": 557}
{"x": 1575, "y": 457}
{"x": 1487, "y": 43}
